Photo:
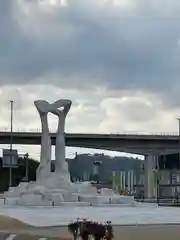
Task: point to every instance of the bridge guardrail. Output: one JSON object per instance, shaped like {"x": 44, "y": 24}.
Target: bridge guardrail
{"x": 38, "y": 130}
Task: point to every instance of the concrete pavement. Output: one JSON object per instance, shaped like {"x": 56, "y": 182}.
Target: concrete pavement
{"x": 138, "y": 232}
{"x": 12, "y": 236}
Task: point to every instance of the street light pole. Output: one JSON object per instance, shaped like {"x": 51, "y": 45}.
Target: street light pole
{"x": 157, "y": 178}
{"x": 11, "y": 140}
{"x": 178, "y": 118}
{"x": 27, "y": 166}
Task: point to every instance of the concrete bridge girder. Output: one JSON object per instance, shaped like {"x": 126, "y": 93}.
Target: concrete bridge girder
{"x": 136, "y": 144}
{"x": 145, "y": 151}
{"x": 132, "y": 150}
{"x": 120, "y": 144}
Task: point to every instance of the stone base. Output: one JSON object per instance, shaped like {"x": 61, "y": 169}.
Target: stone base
{"x": 43, "y": 172}
{"x": 44, "y": 192}
{"x": 16, "y": 191}
{"x": 57, "y": 191}
{"x": 56, "y": 181}
{"x": 33, "y": 199}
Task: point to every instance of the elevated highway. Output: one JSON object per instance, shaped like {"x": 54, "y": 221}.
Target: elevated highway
{"x": 136, "y": 144}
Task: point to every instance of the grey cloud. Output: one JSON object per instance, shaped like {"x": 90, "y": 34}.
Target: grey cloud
{"x": 71, "y": 47}
{"x": 138, "y": 112}
{"x": 131, "y": 109}
{"x": 84, "y": 114}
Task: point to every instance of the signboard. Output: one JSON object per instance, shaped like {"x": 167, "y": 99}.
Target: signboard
{"x": 10, "y": 158}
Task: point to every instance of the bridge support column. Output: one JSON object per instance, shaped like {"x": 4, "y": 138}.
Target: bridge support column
{"x": 150, "y": 177}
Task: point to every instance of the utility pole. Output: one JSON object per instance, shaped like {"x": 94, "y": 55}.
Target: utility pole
{"x": 11, "y": 141}
{"x": 178, "y": 118}
{"x": 26, "y": 157}
{"x": 157, "y": 178}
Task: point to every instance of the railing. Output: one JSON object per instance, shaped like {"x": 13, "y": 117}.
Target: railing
{"x": 164, "y": 201}
{"x": 21, "y": 129}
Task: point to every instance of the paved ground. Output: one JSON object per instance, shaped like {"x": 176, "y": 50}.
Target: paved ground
{"x": 11, "y": 229}
{"x": 8, "y": 236}
{"x": 139, "y": 232}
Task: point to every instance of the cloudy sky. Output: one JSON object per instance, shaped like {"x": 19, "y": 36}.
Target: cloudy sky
{"x": 117, "y": 60}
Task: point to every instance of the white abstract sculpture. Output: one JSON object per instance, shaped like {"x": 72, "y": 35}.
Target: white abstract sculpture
{"x": 45, "y": 156}
{"x": 56, "y": 188}
{"x": 61, "y": 109}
